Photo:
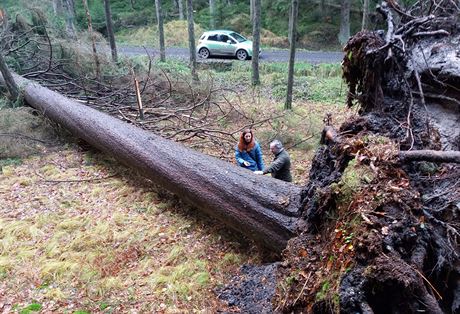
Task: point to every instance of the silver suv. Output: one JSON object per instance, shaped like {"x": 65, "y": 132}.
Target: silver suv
{"x": 224, "y": 43}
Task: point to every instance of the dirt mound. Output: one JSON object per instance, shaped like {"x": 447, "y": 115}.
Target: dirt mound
{"x": 252, "y": 290}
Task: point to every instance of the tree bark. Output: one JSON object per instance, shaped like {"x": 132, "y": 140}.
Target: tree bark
{"x": 262, "y": 208}
{"x": 344, "y": 33}
{"x": 10, "y": 83}
{"x": 293, "y": 29}
{"x": 322, "y": 8}
{"x": 109, "y": 23}
{"x": 181, "y": 9}
{"x": 161, "y": 34}
{"x": 256, "y": 43}
{"x": 93, "y": 40}
{"x": 57, "y": 7}
{"x": 191, "y": 40}
{"x": 251, "y": 10}
{"x": 430, "y": 155}
{"x": 212, "y": 13}
{"x": 69, "y": 8}
{"x": 365, "y": 23}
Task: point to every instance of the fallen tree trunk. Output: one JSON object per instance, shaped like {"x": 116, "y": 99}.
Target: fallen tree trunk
{"x": 262, "y": 208}
{"x": 430, "y": 155}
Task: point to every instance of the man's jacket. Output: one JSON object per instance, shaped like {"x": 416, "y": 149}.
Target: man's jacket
{"x": 280, "y": 167}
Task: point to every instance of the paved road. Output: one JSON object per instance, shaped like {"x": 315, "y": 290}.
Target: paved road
{"x": 314, "y": 57}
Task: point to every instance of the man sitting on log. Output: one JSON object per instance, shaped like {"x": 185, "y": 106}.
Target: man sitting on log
{"x": 281, "y": 165}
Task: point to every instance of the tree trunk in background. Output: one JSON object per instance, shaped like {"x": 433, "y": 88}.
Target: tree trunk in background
{"x": 109, "y": 23}
{"x": 293, "y": 36}
{"x": 212, "y": 13}
{"x": 262, "y": 208}
{"x": 365, "y": 23}
{"x": 191, "y": 40}
{"x": 181, "y": 9}
{"x": 69, "y": 9}
{"x": 344, "y": 33}
{"x": 10, "y": 83}
{"x": 256, "y": 43}
{"x": 161, "y": 34}
{"x": 251, "y": 10}
{"x": 57, "y": 7}
{"x": 133, "y": 3}
{"x": 322, "y": 8}
{"x": 93, "y": 41}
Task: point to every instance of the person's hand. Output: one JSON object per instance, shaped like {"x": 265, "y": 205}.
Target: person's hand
{"x": 246, "y": 163}
{"x": 258, "y": 172}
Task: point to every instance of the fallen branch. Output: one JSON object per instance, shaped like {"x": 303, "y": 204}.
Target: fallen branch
{"x": 430, "y": 155}
{"x": 24, "y": 137}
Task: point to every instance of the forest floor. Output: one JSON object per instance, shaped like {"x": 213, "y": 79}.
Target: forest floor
{"x": 82, "y": 234}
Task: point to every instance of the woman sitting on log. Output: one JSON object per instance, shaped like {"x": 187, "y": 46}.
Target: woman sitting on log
{"x": 248, "y": 153}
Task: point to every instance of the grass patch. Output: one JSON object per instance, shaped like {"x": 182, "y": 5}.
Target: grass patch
{"x": 101, "y": 246}
{"x": 22, "y": 132}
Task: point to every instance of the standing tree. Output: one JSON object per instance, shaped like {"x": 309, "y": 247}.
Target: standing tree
{"x": 365, "y": 23}
{"x": 110, "y": 34}
{"x": 212, "y": 13}
{"x": 93, "y": 40}
{"x": 181, "y": 9}
{"x": 69, "y": 11}
{"x": 322, "y": 8}
{"x": 161, "y": 34}
{"x": 191, "y": 40}
{"x": 251, "y": 10}
{"x": 255, "y": 42}
{"x": 11, "y": 85}
{"x": 57, "y": 7}
{"x": 293, "y": 30}
{"x": 344, "y": 33}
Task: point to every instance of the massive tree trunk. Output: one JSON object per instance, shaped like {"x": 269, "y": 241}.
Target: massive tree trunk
{"x": 262, "y": 208}
{"x": 110, "y": 34}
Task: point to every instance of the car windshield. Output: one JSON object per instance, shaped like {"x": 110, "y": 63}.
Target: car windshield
{"x": 238, "y": 37}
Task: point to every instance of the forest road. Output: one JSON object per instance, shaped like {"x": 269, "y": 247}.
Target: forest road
{"x": 268, "y": 55}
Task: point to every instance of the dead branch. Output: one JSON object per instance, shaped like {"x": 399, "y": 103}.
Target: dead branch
{"x": 430, "y": 155}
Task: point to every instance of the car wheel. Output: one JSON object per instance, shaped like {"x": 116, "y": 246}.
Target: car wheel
{"x": 204, "y": 53}
{"x": 241, "y": 55}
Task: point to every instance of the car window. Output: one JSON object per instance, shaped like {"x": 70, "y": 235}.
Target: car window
{"x": 223, "y": 38}
{"x": 213, "y": 38}
{"x": 238, "y": 37}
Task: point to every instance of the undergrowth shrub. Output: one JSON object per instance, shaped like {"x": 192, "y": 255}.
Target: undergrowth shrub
{"x": 22, "y": 133}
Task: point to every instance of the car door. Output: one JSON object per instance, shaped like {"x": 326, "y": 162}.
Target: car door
{"x": 213, "y": 44}
{"x": 227, "y": 45}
